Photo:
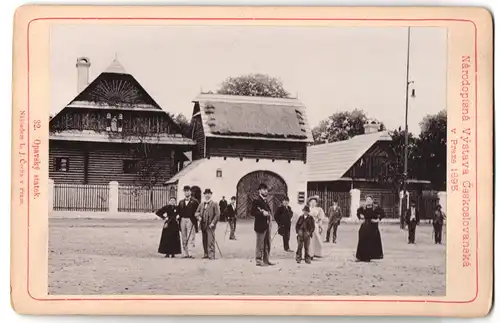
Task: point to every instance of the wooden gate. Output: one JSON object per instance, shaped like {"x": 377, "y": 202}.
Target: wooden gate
{"x": 247, "y": 191}
{"x": 326, "y": 200}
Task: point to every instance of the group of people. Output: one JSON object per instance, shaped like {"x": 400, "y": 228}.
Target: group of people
{"x": 189, "y": 216}
{"x": 412, "y": 219}
{"x": 308, "y": 228}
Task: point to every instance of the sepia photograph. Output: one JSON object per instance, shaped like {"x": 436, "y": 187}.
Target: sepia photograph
{"x": 247, "y": 160}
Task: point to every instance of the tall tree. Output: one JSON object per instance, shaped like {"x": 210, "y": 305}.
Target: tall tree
{"x": 183, "y": 122}
{"x": 254, "y": 85}
{"x": 341, "y": 126}
{"x": 432, "y": 149}
{"x": 395, "y": 174}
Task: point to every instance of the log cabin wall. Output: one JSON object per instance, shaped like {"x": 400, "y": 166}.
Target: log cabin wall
{"x": 105, "y": 163}
{"x": 252, "y": 148}
{"x": 75, "y": 155}
{"x": 373, "y": 164}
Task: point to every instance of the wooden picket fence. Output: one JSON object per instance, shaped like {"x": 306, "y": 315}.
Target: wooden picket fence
{"x": 76, "y": 197}
{"x": 142, "y": 199}
{"x": 96, "y": 198}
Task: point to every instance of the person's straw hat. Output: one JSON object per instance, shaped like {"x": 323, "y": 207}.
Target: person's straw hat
{"x": 315, "y": 197}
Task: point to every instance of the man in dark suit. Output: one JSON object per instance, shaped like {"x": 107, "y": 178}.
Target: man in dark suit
{"x": 230, "y": 215}
{"x": 208, "y": 214}
{"x": 222, "y": 208}
{"x": 283, "y": 218}
{"x": 437, "y": 223}
{"x": 261, "y": 211}
{"x": 334, "y": 217}
{"x": 189, "y": 225}
{"x": 412, "y": 219}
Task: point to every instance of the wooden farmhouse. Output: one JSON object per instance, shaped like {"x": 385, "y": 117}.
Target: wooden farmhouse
{"x": 112, "y": 131}
{"x": 244, "y": 141}
{"x": 350, "y": 170}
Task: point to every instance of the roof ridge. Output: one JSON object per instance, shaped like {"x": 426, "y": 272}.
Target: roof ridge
{"x": 249, "y": 99}
{"x": 363, "y": 135}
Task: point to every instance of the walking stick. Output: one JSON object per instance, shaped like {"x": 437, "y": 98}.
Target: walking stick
{"x": 187, "y": 240}
{"x": 274, "y": 235}
{"x": 215, "y": 240}
{"x": 227, "y": 228}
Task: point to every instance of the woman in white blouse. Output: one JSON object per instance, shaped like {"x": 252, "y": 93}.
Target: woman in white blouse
{"x": 318, "y": 215}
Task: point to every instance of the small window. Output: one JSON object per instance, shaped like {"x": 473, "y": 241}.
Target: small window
{"x": 61, "y": 164}
{"x": 218, "y": 174}
{"x": 130, "y": 166}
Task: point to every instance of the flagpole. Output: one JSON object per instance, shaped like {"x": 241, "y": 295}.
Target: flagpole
{"x": 405, "y": 172}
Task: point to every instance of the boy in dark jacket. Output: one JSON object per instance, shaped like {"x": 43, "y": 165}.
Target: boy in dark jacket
{"x": 304, "y": 229}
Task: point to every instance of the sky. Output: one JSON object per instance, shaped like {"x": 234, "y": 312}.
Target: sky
{"x": 329, "y": 69}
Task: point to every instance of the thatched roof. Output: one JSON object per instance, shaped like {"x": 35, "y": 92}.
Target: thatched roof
{"x": 254, "y": 117}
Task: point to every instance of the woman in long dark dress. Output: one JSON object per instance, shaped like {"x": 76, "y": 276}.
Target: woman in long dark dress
{"x": 170, "y": 242}
{"x": 369, "y": 241}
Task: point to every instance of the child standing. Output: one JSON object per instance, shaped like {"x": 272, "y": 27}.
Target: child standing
{"x": 304, "y": 229}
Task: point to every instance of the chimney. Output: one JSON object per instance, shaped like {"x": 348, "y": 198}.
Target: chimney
{"x": 371, "y": 126}
{"x": 82, "y": 67}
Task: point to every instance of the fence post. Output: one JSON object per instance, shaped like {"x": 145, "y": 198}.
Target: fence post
{"x": 113, "y": 197}
{"x": 50, "y": 195}
{"x": 355, "y": 202}
{"x": 442, "y": 200}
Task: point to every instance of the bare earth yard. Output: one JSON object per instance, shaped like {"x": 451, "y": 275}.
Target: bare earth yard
{"x": 119, "y": 257}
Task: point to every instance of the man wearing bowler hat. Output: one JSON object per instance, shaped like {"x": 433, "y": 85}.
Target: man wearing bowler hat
{"x": 208, "y": 214}
{"x": 187, "y": 208}
{"x": 261, "y": 211}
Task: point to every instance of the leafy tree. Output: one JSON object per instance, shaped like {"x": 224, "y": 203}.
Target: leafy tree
{"x": 432, "y": 149}
{"x": 254, "y": 85}
{"x": 395, "y": 174}
{"x": 148, "y": 155}
{"x": 341, "y": 126}
{"x": 182, "y": 122}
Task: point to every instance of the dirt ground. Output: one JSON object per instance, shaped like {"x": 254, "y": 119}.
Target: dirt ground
{"x": 119, "y": 257}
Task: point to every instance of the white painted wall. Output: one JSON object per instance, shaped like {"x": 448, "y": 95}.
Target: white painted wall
{"x": 204, "y": 176}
